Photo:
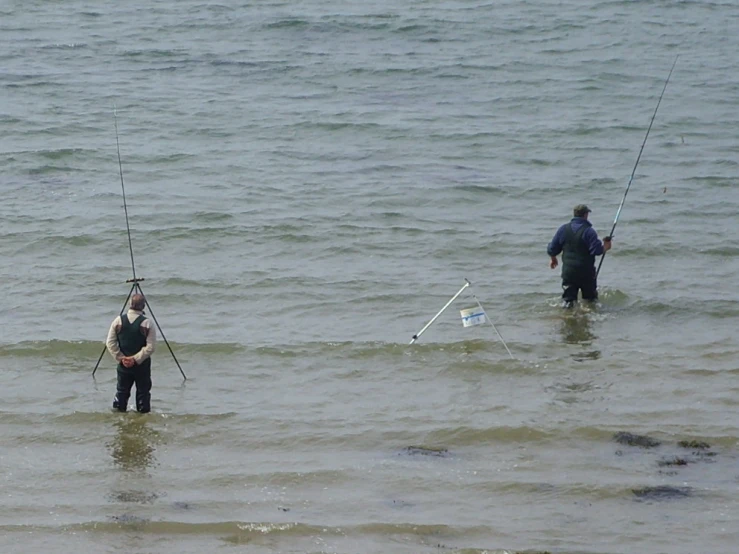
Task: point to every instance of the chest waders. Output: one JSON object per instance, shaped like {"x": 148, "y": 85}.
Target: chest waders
{"x": 577, "y": 262}
{"x": 131, "y": 340}
{"x": 578, "y": 267}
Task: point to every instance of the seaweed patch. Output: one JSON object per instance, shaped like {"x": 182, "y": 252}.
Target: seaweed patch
{"x": 694, "y": 445}
{"x": 676, "y": 461}
{"x": 425, "y": 451}
{"x": 128, "y": 519}
{"x": 662, "y": 492}
{"x": 643, "y": 441}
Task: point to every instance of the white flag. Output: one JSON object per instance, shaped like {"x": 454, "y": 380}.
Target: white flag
{"x": 472, "y": 316}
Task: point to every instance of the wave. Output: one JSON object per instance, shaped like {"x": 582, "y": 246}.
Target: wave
{"x": 85, "y": 348}
{"x": 61, "y": 153}
{"x": 85, "y": 418}
{"x": 48, "y": 168}
{"x": 153, "y": 53}
{"x": 241, "y": 531}
{"x": 465, "y": 436}
{"x": 52, "y": 242}
{"x": 90, "y": 349}
{"x": 595, "y": 492}
{"x": 130, "y": 421}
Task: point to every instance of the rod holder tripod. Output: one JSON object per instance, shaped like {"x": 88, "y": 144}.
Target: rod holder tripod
{"x": 135, "y": 281}
{"x": 136, "y": 287}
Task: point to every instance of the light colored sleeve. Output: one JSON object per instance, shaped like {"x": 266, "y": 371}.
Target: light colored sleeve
{"x": 111, "y": 343}
{"x": 151, "y": 343}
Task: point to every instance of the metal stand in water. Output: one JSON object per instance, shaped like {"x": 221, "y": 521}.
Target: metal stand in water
{"x": 136, "y": 286}
{"x": 449, "y": 303}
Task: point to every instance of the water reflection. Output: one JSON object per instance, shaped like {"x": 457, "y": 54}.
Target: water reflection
{"x": 132, "y": 447}
{"x": 576, "y": 328}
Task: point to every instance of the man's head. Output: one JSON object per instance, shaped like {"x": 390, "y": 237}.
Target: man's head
{"x": 581, "y": 210}
{"x": 138, "y": 302}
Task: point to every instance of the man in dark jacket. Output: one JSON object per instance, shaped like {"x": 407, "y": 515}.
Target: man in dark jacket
{"x": 579, "y": 244}
{"x": 131, "y": 341}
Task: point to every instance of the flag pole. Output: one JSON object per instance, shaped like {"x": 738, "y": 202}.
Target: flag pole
{"x": 415, "y": 337}
{"x": 494, "y": 327}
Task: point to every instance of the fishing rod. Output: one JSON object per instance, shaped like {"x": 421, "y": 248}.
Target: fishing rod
{"x": 123, "y": 189}
{"x": 633, "y": 171}
{"x": 136, "y": 286}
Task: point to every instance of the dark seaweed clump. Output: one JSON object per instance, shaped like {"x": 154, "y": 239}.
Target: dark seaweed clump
{"x": 662, "y": 492}
{"x": 694, "y": 445}
{"x": 443, "y": 546}
{"x": 676, "y": 461}
{"x": 128, "y": 519}
{"x": 622, "y": 437}
{"x": 425, "y": 451}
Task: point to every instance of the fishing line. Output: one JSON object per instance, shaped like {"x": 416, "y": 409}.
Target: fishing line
{"x": 633, "y": 171}
{"x": 490, "y": 321}
{"x": 123, "y": 189}
{"x": 136, "y": 286}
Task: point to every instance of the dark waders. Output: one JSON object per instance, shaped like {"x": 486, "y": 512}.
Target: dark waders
{"x": 578, "y": 267}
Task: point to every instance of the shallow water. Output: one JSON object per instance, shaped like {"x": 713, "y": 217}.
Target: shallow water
{"x": 308, "y": 184}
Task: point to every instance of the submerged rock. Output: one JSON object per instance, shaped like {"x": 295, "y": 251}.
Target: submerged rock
{"x": 699, "y": 450}
{"x": 425, "y": 451}
{"x": 128, "y": 519}
{"x": 676, "y": 461}
{"x": 630, "y": 439}
{"x": 662, "y": 492}
{"x": 694, "y": 445}
{"x": 136, "y": 497}
{"x": 400, "y": 504}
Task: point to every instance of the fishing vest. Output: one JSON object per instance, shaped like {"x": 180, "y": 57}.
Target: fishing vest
{"x": 576, "y": 256}
{"x": 130, "y": 338}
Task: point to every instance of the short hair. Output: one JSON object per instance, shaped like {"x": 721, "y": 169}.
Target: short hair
{"x": 138, "y": 301}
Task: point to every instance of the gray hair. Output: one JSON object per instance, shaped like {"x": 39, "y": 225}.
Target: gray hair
{"x": 138, "y": 302}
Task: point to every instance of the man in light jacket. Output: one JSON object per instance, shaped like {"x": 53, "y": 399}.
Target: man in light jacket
{"x": 131, "y": 341}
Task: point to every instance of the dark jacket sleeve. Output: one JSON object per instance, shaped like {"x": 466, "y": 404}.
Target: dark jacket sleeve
{"x": 558, "y": 241}
{"x": 594, "y": 243}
